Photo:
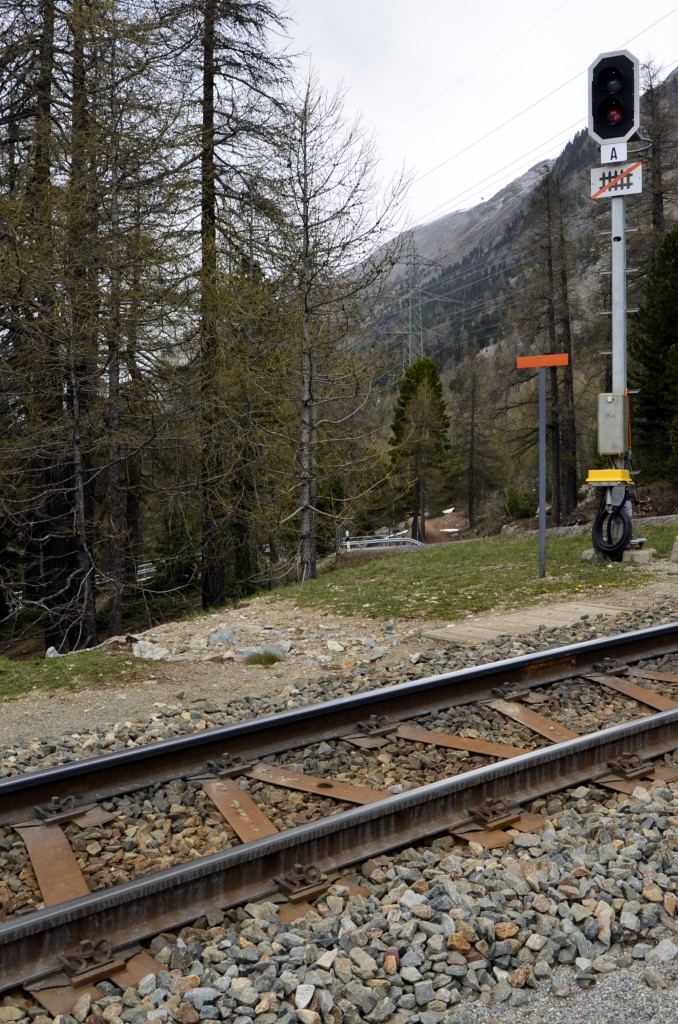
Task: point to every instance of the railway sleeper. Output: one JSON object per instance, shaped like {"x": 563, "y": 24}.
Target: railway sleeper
{"x": 91, "y": 962}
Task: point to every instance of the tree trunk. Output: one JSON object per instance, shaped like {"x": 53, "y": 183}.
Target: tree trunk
{"x": 471, "y": 490}
{"x": 657, "y": 128}
{"x": 81, "y": 345}
{"x": 213, "y": 554}
{"x": 308, "y": 419}
{"x": 82, "y": 630}
{"x": 134, "y": 547}
{"x": 52, "y": 524}
{"x": 116, "y": 513}
{"x": 307, "y": 439}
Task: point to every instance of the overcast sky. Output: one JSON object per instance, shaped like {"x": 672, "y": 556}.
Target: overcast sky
{"x": 470, "y": 95}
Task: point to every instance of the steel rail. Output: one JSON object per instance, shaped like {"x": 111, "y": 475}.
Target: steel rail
{"x": 97, "y": 778}
{"x": 174, "y": 897}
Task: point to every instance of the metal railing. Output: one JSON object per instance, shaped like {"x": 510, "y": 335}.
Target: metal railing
{"x": 351, "y": 543}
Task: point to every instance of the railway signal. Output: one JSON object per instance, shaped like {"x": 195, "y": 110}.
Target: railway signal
{"x": 614, "y": 97}
{"x": 614, "y": 119}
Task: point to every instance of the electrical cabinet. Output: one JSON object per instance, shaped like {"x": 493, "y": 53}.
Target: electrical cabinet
{"x": 613, "y": 424}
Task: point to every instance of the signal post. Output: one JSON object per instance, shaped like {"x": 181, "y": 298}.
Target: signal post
{"x": 614, "y": 119}
{"x": 541, "y": 362}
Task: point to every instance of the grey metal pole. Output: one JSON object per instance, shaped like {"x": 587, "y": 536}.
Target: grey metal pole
{"x": 542, "y": 471}
{"x": 618, "y": 221}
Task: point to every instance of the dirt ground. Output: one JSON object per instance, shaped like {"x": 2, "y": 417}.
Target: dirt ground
{"x": 212, "y": 675}
{"x": 221, "y": 677}
{"x": 658, "y": 499}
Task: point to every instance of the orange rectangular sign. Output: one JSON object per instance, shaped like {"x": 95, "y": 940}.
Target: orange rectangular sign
{"x": 552, "y": 359}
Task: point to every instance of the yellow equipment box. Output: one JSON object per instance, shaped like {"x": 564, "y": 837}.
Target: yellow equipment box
{"x": 609, "y": 476}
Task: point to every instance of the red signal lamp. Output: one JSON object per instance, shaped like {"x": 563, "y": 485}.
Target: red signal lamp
{"x": 614, "y": 99}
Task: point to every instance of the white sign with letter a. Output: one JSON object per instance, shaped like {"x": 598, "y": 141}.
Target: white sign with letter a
{"x": 614, "y": 153}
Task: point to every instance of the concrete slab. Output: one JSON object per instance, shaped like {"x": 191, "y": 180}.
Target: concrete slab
{"x": 488, "y": 627}
{"x": 641, "y": 556}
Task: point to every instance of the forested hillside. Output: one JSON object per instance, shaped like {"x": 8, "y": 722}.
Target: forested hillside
{"x": 180, "y": 314}
{"x": 206, "y": 314}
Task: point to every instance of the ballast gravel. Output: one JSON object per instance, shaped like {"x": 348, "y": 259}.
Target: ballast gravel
{"x": 576, "y": 922}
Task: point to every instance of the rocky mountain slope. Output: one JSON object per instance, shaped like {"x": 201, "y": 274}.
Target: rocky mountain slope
{"x": 462, "y": 273}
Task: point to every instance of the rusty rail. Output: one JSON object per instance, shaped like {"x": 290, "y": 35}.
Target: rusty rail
{"x": 98, "y": 778}
{"x": 30, "y": 944}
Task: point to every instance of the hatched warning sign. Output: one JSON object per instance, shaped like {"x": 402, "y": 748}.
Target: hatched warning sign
{"x": 614, "y": 180}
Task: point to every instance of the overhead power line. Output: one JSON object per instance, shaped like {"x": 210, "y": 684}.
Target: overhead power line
{"x": 531, "y": 106}
{"x": 473, "y": 70}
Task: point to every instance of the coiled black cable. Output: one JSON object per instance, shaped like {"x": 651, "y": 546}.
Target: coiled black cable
{"x": 612, "y": 530}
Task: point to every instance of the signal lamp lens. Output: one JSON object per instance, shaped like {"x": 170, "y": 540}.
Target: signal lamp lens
{"x": 611, "y": 81}
{"x": 612, "y": 112}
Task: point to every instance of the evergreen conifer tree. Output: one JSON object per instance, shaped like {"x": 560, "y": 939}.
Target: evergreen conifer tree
{"x": 419, "y": 438}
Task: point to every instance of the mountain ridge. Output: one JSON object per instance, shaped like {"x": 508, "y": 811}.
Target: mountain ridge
{"x": 463, "y": 273}
{"x": 459, "y": 232}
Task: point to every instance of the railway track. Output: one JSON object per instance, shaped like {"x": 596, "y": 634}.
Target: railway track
{"x": 367, "y": 755}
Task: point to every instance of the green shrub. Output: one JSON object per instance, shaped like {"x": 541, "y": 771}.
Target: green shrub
{"x": 518, "y": 503}
{"x": 262, "y": 658}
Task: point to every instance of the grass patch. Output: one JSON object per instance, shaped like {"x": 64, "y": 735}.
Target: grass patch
{"x": 660, "y": 537}
{"x": 453, "y": 580}
{"x": 442, "y": 582}
{"x": 262, "y": 658}
{"x": 69, "y": 672}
